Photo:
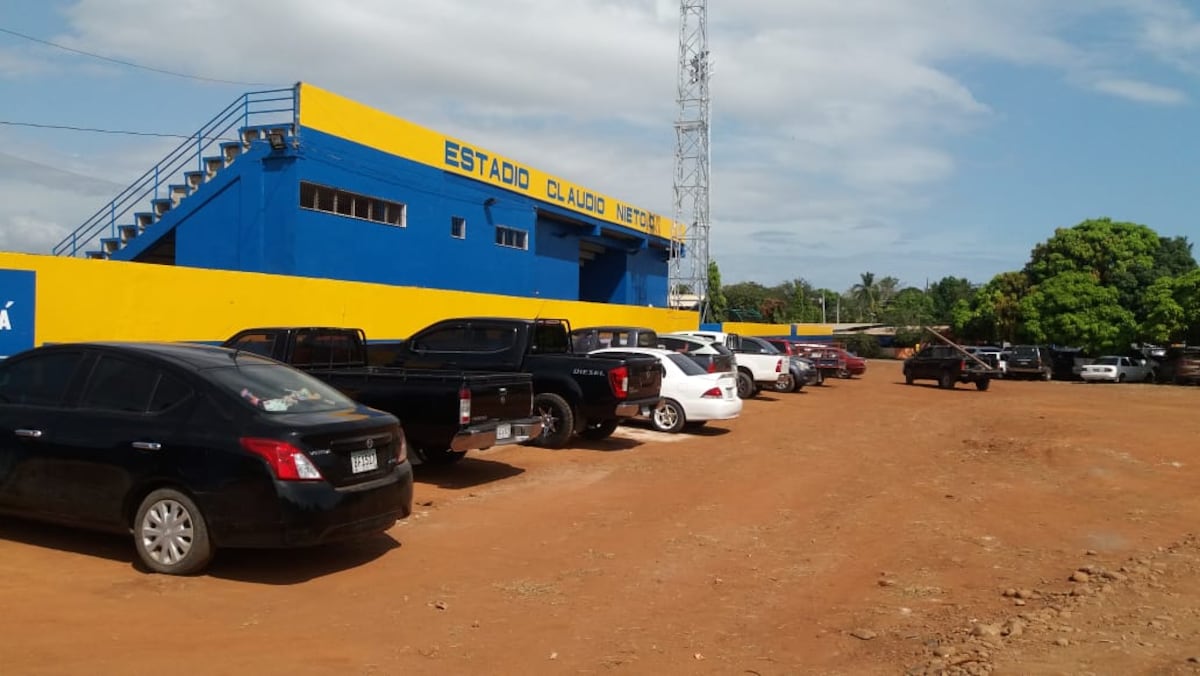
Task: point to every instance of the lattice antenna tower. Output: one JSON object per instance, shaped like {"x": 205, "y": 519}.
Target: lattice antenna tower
{"x": 688, "y": 270}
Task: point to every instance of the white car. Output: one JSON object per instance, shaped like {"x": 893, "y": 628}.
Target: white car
{"x": 755, "y": 370}
{"x": 1116, "y": 369}
{"x": 690, "y": 395}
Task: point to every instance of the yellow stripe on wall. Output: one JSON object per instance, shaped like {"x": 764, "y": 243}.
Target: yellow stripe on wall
{"x": 359, "y": 123}
{"x": 760, "y": 329}
{"x": 80, "y": 300}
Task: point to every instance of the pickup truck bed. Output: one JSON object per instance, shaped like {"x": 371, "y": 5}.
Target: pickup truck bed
{"x": 574, "y": 393}
{"x": 444, "y": 412}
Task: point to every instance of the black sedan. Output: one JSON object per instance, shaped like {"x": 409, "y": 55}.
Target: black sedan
{"x": 191, "y": 448}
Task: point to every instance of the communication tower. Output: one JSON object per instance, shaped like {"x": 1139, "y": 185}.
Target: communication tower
{"x": 688, "y": 265}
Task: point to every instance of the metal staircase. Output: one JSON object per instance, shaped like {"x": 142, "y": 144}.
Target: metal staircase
{"x": 269, "y": 116}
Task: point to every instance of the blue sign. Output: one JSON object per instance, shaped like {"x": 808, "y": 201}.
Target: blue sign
{"x": 18, "y": 295}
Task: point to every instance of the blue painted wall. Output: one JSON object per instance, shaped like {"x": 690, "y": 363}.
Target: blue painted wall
{"x": 249, "y": 218}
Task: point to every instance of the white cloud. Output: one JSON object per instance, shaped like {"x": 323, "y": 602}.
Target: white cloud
{"x": 1142, "y": 92}
{"x": 832, "y": 119}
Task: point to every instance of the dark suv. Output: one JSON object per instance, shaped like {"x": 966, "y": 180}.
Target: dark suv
{"x": 1030, "y": 361}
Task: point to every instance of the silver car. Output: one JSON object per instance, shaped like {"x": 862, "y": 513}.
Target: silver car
{"x": 1116, "y": 369}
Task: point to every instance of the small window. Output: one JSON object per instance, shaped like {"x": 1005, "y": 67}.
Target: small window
{"x": 751, "y": 347}
{"x": 120, "y": 385}
{"x": 512, "y": 237}
{"x": 352, "y": 205}
{"x": 689, "y": 367}
{"x": 39, "y": 380}
{"x": 170, "y": 392}
{"x": 458, "y": 227}
{"x": 257, "y": 343}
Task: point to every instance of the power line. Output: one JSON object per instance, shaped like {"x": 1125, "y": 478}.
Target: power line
{"x": 95, "y": 130}
{"x": 130, "y": 63}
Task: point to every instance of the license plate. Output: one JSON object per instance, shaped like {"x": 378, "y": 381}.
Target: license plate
{"x": 503, "y": 431}
{"x": 363, "y": 461}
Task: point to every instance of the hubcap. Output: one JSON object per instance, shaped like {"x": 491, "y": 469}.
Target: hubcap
{"x": 549, "y": 421}
{"x": 167, "y": 532}
{"x": 666, "y": 416}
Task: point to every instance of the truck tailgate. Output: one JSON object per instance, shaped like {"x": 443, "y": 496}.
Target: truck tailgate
{"x": 500, "y": 396}
{"x": 645, "y": 377}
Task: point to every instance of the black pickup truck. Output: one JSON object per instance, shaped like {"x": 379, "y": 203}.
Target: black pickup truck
{"x": 444, "y": 413}
{"x": 576, "y": 393}
{"x": 948, "y": 366}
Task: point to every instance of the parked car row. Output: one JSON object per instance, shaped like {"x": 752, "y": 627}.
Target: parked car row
{"x": 754, "y": 363}
{"x": 294, "y": 436}
{"x": 1139, "y": 364}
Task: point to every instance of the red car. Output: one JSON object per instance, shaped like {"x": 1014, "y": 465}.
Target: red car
{"x": 855, "y": 365}
{"x": 851, "y": 364}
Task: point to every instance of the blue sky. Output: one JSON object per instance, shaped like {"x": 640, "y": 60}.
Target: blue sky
{"x": 913, "y": 138}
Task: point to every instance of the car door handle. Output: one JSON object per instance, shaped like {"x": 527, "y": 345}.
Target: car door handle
{"x": 28, "y": 434}
{"x": 147, "y": 445}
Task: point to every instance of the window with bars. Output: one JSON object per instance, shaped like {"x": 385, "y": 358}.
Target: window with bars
{"x": 512, "y": 237}
{"x": 458, "y": 227}
{"x": 352, "y": 205}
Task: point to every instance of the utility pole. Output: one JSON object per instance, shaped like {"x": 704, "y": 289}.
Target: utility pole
{"x": 688, "y": 262}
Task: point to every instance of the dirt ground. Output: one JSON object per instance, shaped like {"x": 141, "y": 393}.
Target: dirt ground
{"x": 865, "y": 527}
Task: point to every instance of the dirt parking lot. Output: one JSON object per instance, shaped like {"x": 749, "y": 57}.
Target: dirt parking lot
{"x": 866, "y": 527}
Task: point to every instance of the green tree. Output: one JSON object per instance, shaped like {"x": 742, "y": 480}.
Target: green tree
{"x": 800, "y": 299}
{"x": 911, "y": 307}
{"x": 744, "y": 301}
{"x": 1117, "y": 255}
{"x": 716, "y": 295}
{"x": 1073, "y": 308}
{"x": 1174, "y": 258}
{"x": 994, "y": 313}
{"x": 866, "y": 297}
{"x": 1173, "y": 309}
{"x": 945, "y": 295}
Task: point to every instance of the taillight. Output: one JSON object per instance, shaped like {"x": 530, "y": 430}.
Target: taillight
{"x": 287, "y": 462}
{"x": 779, "y": 366}
{"x": 962, "y": 365}
{"x": 618, "y": 380}
{"x": 712, "y": 366}
{"x": 712, "y": 393}
{"x": 401, "y": 448}
{"x": 464, "y": 406}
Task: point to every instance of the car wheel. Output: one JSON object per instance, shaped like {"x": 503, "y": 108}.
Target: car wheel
{"x": 1046, "y": 375}
{"x": 745, "y": 385}
{"x": 844, "y": 374}
{"x": 596, "y": 430}
{"x": 559, "y": 420}
{"x": 983, "y": 384}
{"x": 1151, "y": 377}
{"x": 787, "y": 384}
{"x": 908, "y": 377}
{"x": 170, "y": 534}
{"x": 946, "y": 381}
{"x": 1120, "y": 377}
{"x": 668, "y": 417}
{"x": 441, "y": 457}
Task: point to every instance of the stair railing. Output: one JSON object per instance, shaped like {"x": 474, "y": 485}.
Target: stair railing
{"x": 260, "y": 107}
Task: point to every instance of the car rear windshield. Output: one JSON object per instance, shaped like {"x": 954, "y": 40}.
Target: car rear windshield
{"x": 1025, "y": 351}
{"x": 1109, "y": 361}
{"x": 689, "y": 367}
{"x": 278, "y": 388}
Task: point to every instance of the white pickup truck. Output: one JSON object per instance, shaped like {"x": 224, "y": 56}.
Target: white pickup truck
{"x": 755, "y": 371}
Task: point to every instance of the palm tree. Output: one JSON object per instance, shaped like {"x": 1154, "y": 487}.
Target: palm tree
{"x": 866, "y": 293}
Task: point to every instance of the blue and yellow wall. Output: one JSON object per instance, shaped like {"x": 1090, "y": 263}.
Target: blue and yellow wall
{"x": 49, "y": 299}
{"x": 249, "y": 217}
